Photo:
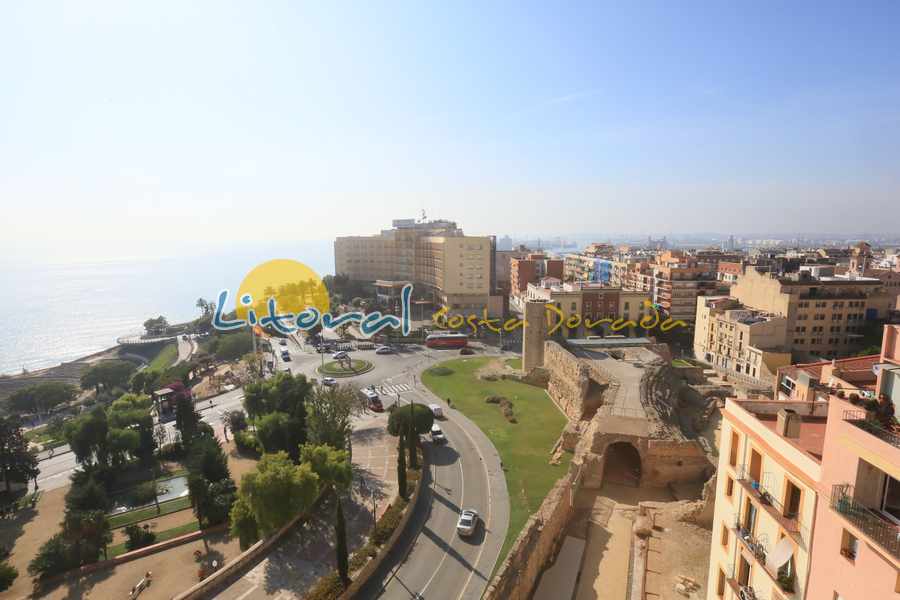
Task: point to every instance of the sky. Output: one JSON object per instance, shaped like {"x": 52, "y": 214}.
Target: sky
{"x": 152, "y": 122}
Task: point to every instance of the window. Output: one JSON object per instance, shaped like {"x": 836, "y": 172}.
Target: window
{"x": 729, "y": 486}
{"x": 849, "y": 545}
{"x": 755, "y": 465}
{"x": 720, "y": 584}
{"x": 724, "y": 537}
{"x": 735, "y": 440}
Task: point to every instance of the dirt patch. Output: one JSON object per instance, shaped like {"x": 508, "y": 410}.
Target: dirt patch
{"x": 25, "y": 534}
{"x": 677, "y": 549}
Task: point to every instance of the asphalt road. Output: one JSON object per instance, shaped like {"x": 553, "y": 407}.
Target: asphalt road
{"x": 431, "y": 559}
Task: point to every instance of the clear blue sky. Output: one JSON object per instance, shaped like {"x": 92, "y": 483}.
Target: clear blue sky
{"x": 134, "y": 120}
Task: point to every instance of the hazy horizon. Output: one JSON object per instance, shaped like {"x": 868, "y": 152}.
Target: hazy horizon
{"x": 230, "y": 122}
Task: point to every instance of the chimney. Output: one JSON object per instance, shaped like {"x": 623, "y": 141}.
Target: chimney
{"x": 788, "y": 424}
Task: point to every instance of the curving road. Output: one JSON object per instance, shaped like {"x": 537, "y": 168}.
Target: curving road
{"x": 430, "y": 559}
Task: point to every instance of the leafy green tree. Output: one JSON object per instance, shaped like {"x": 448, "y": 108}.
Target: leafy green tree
{"x": 87, "y": 533}
{"x": 422, "y": 418}
{"x": 198, "y": 489}
{"x": 340, "y": 545}
{"x": 17, "y": 463}
{"x": 243, "y": 523}
{"x": 8, "y": 574}
{"x": 156, "y": 326}
{"x": 108, "y": 374}
{"x": 87, "y": 436}
{"x": 280, "y": 432}
{"x": 233, "y": 346}
{"x": 53, "y": 558}
{"x": 330, "y": 412}
{"x": 401, "y": 469}
{"x": 277, "y": 491}
{"x": 86, "y": 493}
{"x": 138, "y": 537}
{"x": 208, "y": 459}
{"x": 285, "y": 393}
{"x": 237, "y": 420}
{"x": 187, "y": 420}
{"x": 40, "y": 398}
{"x": 121, "y": 443}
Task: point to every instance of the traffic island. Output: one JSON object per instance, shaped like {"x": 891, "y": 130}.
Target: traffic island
{"x": 341, "y": 369}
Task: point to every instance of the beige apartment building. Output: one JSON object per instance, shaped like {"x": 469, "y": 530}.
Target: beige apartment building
{"x": 446, "y": 267}
{"x": 581, "y": 301}
{"x": 824, "y": 315}
{"x": 678, "y": 280}
{"x": 746, "y": 344}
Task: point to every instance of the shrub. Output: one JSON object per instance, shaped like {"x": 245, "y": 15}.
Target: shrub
{"x": 8, "y": 574}
{"x": 489, "y": 377}
{"x": 840, "y": 394}
{"x": 388, "y": 522}
{"x": 138, "y": 537}
{"x": 327, "y": 588}
{"x": 173, "y": 451}
{"x": 440, "y": 371}
{"x": 246, "y": 443}
{"x": 237, "y": 420}
{"x": 494, "y": 399}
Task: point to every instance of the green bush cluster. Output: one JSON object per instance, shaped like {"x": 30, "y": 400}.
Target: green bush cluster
{"x": 246, "y": 443}
{"x": 328, "y": 587}
{"x": 440, "y": 371}
{"x": 138, "y": 537}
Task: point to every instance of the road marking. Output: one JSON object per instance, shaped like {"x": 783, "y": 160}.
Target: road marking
{"x": 247, "y": 593}
{"x": 462, "y": 495}
{"x": 490, "y": 506}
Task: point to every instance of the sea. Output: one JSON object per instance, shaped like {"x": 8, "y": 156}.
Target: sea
{"x": 73, "y": 300}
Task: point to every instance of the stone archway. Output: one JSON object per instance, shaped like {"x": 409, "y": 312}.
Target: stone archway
{"x": 622, "y": 464}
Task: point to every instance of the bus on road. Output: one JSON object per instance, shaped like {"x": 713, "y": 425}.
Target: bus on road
{"x": 448, "y": 339}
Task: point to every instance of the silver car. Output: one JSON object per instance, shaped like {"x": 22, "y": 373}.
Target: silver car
{"x": 468, "y": 523}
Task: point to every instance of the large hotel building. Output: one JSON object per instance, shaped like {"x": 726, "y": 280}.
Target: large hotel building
{"x": 447, "y": 267}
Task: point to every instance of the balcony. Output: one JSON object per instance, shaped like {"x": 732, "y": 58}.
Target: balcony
{"x": 765, "y": 498}
{"x": 758, "y": 548}
{"x": 861, "y": 419}
{"x": 878, "y": 529}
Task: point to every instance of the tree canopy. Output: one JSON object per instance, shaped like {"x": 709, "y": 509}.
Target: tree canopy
{"x": 108, "y": 374}
{"x": 17, "y": 463}
{"x": 285, "y": 393}
{"x": 42, "y": 397}
{"x": 398, "y": 422}
{"x": 330, "y": 412}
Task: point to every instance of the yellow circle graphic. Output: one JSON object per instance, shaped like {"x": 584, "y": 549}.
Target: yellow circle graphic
{"x": 292, "y": 284}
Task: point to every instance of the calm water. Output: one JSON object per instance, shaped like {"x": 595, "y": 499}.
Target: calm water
{"x": 63, "y": 308}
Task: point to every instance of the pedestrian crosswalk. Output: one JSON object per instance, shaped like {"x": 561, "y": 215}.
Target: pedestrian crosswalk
{"x": 395, "y": 388}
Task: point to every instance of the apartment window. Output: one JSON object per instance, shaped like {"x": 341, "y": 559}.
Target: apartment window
{"x": 724, "y": 537}
{"x": 720, "y": 584}
{"x": 792, "y": 498}
{"x": 733, "y": 456}
{"x": 755, "y": 465}
{"x": 729, "y": 486}
{"x": 849, "y": 545}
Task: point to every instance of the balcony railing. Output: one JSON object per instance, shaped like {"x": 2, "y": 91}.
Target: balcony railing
{"x": 766, "y": 498}
{"x": 861, "y": 420}
{"x": 881, "y": 531}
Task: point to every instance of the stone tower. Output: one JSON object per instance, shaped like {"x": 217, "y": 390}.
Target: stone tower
{"x": 533, "y": 336}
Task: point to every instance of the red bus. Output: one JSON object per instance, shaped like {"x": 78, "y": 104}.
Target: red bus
{"x": 447, "y": 340}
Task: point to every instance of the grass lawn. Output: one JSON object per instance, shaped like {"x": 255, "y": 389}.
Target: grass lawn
{"x": 161, "y": 536}
{"x": 524, "y": 447}
{"x": 166, "y": 357}
{"x": 515, "y": 363}
{"x": 679, "y": 362}
{"x": 149, "y": 512}
{"x": 336, "y": 368}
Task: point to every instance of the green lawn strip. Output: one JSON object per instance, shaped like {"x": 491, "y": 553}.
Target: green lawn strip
{"x": 166, "y": 357}
{"x": 524, "y": 447}
{"x": 149, "y": 512}
{"x": 161, "y": 536}
{"x": 335, "y": 368}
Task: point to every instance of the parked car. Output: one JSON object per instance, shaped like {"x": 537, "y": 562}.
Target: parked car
{"x": 466, "y": 351}
{"x": 437, "y": 411}
{"x": 282, "y": 342}
{"x": 384, "y": 350}
{"x": 329, "y": 381}
{"x": 340, "y": 355}
{"x": 372, "y": 399}
{"x": 437, "y": 434}
{"x": 468, "y": 523}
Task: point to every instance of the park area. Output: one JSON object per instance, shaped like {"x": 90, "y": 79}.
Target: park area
{"x": 524, "y": 433}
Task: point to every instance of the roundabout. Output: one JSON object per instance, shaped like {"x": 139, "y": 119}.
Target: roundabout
{"x": 337, "y": 368}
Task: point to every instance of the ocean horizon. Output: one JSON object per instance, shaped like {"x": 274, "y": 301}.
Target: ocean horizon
{"x": 69, "y": 306}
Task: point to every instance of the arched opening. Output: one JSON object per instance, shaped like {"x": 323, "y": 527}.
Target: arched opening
{"x": 622, "y": 464}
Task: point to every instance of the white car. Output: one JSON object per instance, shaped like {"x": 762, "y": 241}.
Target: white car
{"x": 437, "y": 435}
{"x": 384, "y": 350}
{"x": 468, "y": 523}
{"x": 329, "y": 381}
{"x": 437, "y": 411}
{"x": 339, "y": 355}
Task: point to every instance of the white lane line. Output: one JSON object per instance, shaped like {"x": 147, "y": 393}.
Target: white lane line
{"x": 462, "y": 495}
{"x": 487, "y": 521}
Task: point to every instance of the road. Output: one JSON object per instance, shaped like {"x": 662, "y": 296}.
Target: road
{"x": 431, "y": 559}
{"x": 55, "y": 471}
